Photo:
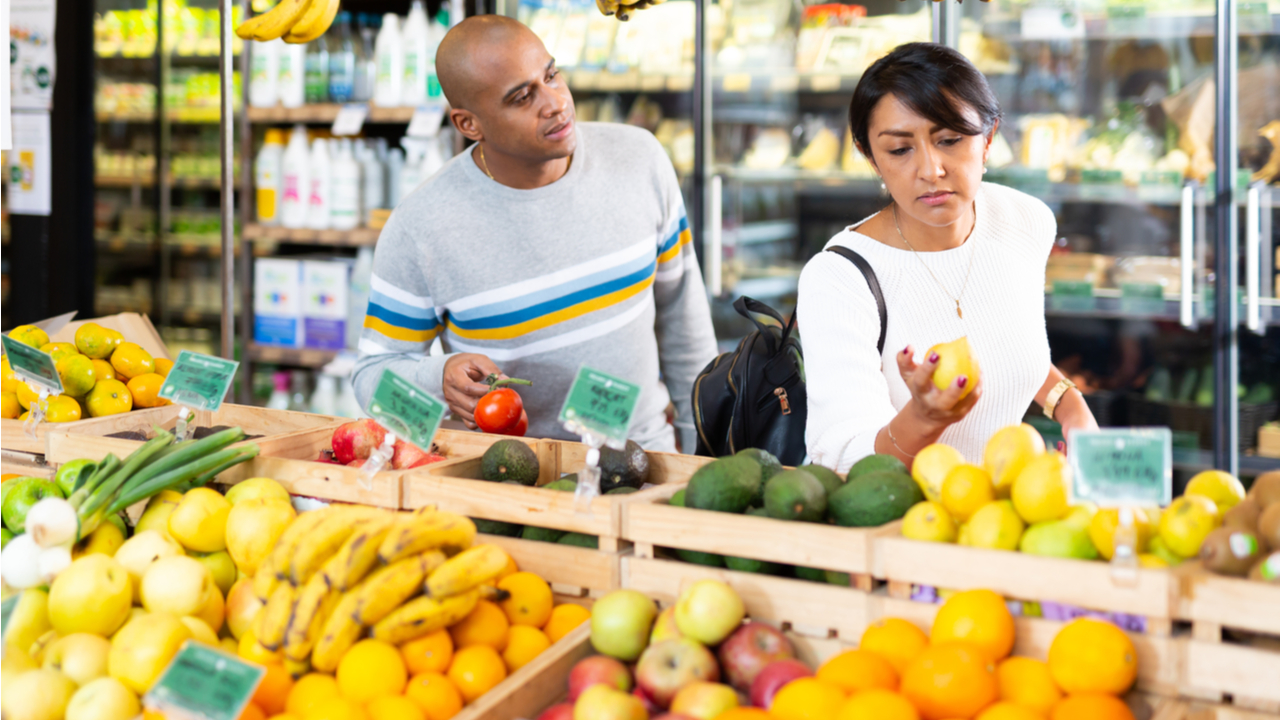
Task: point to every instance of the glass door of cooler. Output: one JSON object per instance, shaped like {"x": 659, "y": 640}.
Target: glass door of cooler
{"x": 783, "y": 175}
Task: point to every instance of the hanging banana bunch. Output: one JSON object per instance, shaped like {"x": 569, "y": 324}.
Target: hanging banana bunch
{"x": 622, "y": 9}
{"x": 297, "y": 21}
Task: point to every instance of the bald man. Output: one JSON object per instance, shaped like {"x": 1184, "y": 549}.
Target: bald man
{"x": 547, "y": 245}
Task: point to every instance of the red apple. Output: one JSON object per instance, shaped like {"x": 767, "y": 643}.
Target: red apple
{"x": 771, "y": 679}
{"x": 563, "y": 711}
{"x": 749, "y": 649}
{"x": 598, "y": 670}
{"x": 650, "y": 706}
{"x": 668, "y": 666}
{"x": 355, "y": 440}
{"x": 601, "y": 702}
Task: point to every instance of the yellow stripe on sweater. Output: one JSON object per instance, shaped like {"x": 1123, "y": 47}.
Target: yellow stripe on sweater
{"x": 398, "y": 333}
{"x": 569, "y": 313}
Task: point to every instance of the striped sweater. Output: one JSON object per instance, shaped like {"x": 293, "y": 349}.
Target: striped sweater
{"x": 596, "y": 268}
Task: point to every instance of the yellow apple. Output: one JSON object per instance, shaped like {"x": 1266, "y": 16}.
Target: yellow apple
{"x": 213, "y": 610}
{"x": 80, "y": 656}
{"x": 103, "y": 699}
{"x": 200, "y": 520}
{"x": 242, "y": 607}
{"x": 143, "y": 648}
{"x": 38, "y": 695}
{"x": 15, "y": 663}
{"x": 40, "y": 645}
{"x": 176, "y": 585}
{"x": 256, "y": 488}
{"x": 29, "y": 621}
{"x": 221, "y": 567}
{"x": 138, "y": 552}
{"x": 200, "y": 631}
{"x": 93, "y": 595}
{"x": 253, "y": 526}
{"x": 156, "y": 516}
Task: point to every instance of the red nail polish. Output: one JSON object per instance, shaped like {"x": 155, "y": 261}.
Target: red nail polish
{"x": 933, "y": 358}
{"x": 906, "y": 350}
{"x": 962, "y": 381}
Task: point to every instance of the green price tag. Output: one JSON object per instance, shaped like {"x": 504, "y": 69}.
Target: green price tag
{"x": 6, "y": 612}
{"x": 1141, "y": 299}
{"x": 406, "y": 409}
{"x": 32, "y": 365}
{"x": 1071, "y": 296}
{"x": 199, "y": 381}
{"x": 204, "y": 683}
{"x": 600, "y": 404}
{"x": 1156, "y": 177}
{"x": 1102, "y": 177}
{"x": 1121, "y": 466}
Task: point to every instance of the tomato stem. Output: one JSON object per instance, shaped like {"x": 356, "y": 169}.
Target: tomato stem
{"x": 494, "y": 382}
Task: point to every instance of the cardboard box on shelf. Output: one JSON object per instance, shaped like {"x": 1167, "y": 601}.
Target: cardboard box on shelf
{"x": 325, "y": 286}
{"x": 277, "y": 302}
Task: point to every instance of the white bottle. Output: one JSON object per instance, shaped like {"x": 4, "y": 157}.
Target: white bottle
{"x": 264, "y": 75}
{"x": 374, "y": 183}
{"x": 411, "y": 174}
{"x": 344, "y": 211}
{"x": 279, "y": 399}
{"x": 320, "y": 200}
{"x": 416, "y": 40}
{"x": 432, "y": 158}
{"x": 394, "y": 165}
{"x": 267, "y": 170}
{"x": 348, "y": 404}
{"x": 291, "y": 82}
{"x": 295, "y": 180}
{"x": 390, "y": 56}
{"x": 324, "y": 401}
{"x": 358, "y": 298}
{"x": 439, "y": 26}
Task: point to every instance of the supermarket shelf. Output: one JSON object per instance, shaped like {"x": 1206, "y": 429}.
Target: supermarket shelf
{"x": 1154, "y": 27}
{"x": 339, "y": 238}
{"x": 1197, "y": 460}
{"x": 299, "y": 357}
{"x": 326, "y": 113}
{"x": 186, "y": 183}
{"x": 1106, "y": 303}
{"x": 765, "y": 231}
{"x": 599, "y": 81}
{"x": 784, "y": 81}
{"x": 202, "y": 116}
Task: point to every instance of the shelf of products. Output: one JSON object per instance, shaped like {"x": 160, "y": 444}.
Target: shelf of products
{"x": 327, "y": 113}
{"x": 340, "y": 238}
{"x": 298, "y": 357}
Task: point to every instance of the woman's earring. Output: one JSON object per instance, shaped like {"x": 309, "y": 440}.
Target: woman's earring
{"x": 883, "y": 190}
{"x": 984, "y": 170}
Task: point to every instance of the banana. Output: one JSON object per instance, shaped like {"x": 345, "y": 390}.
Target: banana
{"x": 278, "y": 559}
{"x": 493, "y": 594}
{"x": 265, "y": 580}
{"x": 325, "y": 540}
{"x": 427, "y": 531}
{"x": 386, "y": 588}
{"x": 299, "y": 637}
{"x": 314, "y": 22}
{"x": 274, "y": 23}
{"x": 423, "y": 616}
{"x": 339, "y": 633}
{"x": 273, "y": 618}
{"x": 297, "y": 668}
{"x": 358, "y": 555}
{"x": 607, "y": 9}
{"x": 467, "y": 570}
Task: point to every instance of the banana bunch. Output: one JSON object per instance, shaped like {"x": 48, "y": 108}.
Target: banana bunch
{"x": 344, "y": 571}
{"x": 623, "y": 8}
{"x": 297, "y": 21}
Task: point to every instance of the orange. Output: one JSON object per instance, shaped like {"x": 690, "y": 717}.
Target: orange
{"x": 337, "y": 708}
{"x": 108, "y": 397}
{"x": 1093, "y": 656}
{"x": 979, "y": 617}
{"x": 509, "y": 570}
{"x": 9, "y": 406}
{"x": 103, "y": 370}
{"x": 253, "y": 651}
{"x": 130, "y": 360}
{"x": 807, "y": 699}
{"x": 96, "y": 341}
{"x": 435, "y": 695}
{"x": 1091, "y": 706}
{"x": 273, "y": 691}
{"x": 393, "y": 707}
{"x": 145, "y": 390}
{"x": 1005, "y": 710}
{"x": 77, "y": 374}
{"x": 30, "y": 335}
{"x": 744, "y": 713}
{"x": 62, "y": 409}
{"x": 855, "y": 670}
{"x": 431, "y": 653}
{"x": 895, "y": 640}
{"x": 311, "y": 690}
{"x": 26, "y": 394}
{"x": 530, "y": 602}
{"x": 486, "y": 625}
{"x": 371, "y": 668}
{"x": 1027, "y": 682}
{"x": 252, "y": 712}
{"x": 476, "y": 670}
{"x": 955, "y": 679}
{"x": 564, "y": 618}
{"x": 59, "y": 350}
{"x": 284, "y": 716}
{"x": 163, "y": 366}
{"x": 524, "y": 643}
{"x": 877, "y": 704}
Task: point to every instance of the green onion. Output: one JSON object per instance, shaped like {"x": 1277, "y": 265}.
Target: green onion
{"x": 105, "y": 468}
{"x": 215, "y": 462}
{"x": 102, "y": 495}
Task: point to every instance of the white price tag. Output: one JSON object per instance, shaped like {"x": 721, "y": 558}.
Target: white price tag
{"x": 350, "y": 119}
{"x": 426, "y": 121}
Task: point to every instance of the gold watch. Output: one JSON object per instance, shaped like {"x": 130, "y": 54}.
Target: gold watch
{"x": 1055, "y": 396}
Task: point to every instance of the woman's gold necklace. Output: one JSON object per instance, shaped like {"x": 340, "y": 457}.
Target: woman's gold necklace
{"x": 485, "y": 163}
{"x": 972, "y": 252}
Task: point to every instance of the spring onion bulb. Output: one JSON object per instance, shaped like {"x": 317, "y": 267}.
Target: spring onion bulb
{"x": 53, "y": 561}
{"x": 20, "y": 563}
{"x": 52, "y": 522}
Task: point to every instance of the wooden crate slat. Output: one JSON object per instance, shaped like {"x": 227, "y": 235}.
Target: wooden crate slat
{"x": 1234, "y": 669}
{"x": 322, "y": 480}
{"x": 565, "y": 565}
{"x": 1207, "y": 597}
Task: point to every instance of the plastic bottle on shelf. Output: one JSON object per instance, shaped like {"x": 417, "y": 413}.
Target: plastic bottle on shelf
{"x": 291, "y": 81}
{"x": 317, "y": 72}
{"x": 320, "y": 199}
{"x": 439, "y": 26}
{"x": 298, "y": 391}
{"x": 358, "y": 298}
{"x": 373, "y": 183}
{"x": 267, "y": 170}
{"x": 433, "y": 157}
{"x": 342, "y": 61}
{"x": 366, "y": 59}
{"x": 394, "y": 165}
{"x": 279, "y": 399}
{"x": 348, "y": 403}
{"x": 264, "y": 74}
{"x": 411, "y": 174}
{"x": 390, "y": 54}
{"x": 324, "y": 401}
{"x": 295, "y": 180}
{"x": 344, "y": 211}
{"x": 416, "y": 40}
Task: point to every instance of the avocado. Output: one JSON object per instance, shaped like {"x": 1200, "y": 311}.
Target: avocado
{"x": 497, "y": 527}
{"x": 533, "y": 532}
{"x": 509, "y": 460}
{"x": 580, "y": 540}
{"x": 564, "y": 484}
{"x": 874, "y": 499}
{"x": 700, "y": 558}
{"x": 622, "y": 490}
{"x": 1260, "y": 393}
{"x": 838, "y": 578}
{"x": 795, "y": 495}
{"x": 628, "y": 467}
{"x": 831, "y": 481}
{"x": 1228, "y": 551}
{"x": 760, "y": 567}
{"x": 729, "y": 484}
{"x": 678, "y": 498}
{"x": 810, "y": 574}
{"x": 769, "y": 465}
{"x": 876, "y": 463}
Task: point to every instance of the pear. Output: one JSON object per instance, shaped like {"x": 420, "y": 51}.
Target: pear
{"x": 1067, "y": 538}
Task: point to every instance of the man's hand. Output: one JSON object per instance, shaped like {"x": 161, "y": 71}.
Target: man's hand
{"x": 464, "y": 384}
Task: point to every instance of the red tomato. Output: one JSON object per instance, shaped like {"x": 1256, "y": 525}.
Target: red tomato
{"x": 521, "y": 427}
{"x": 499, "y": 410}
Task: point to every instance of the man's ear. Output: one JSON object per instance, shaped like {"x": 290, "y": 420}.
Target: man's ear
{"x": 467, "y": 124}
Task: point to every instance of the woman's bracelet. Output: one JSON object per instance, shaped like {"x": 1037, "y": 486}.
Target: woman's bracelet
{"x": 888, "y": 428}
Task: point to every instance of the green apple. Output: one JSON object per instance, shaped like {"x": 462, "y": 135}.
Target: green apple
{"x": 70, "y": 473}
{"x": 620, "y": 624}
{"x": 221, "y": 568}
{"x": 103, "y": 699}
{"x": 22, "y": 494}
{"x": 709, "y": 611}
{"x": 80, "y": 656}
{"x": 93, "y": 595}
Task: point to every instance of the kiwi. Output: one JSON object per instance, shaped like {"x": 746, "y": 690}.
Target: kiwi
{"x": 1267, "y": 569}
{"x": 1228, "y": 551}
{"x": 1244, "y": 516}
{"x": 1269, "y": 526}
{"x": 1266, "y": 489}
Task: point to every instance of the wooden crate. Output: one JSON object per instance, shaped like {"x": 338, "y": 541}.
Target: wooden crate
{"x": 655, "y": 523}
{"x": 456, "y": 486}
{"x": 574, "y": 572}
{"x": 24, "y": 464}
{"x": 536, "y": 686}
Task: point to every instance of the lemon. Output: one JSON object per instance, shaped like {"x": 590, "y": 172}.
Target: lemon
{"x": 1082, "y": 514}
{"x": 931, "y": 467}
{"x": 77, "y": 374}
{"x": 9, "y": 380}
{"x": 963, "y": 536}
{"x": 966, "y": 488}
{"x": 1040, "y": 492}
{"x": 59, "y": 350}
{"x": 996, "y": 526}
{"x": 955, "y": 359}
{"x": 1102, "y": 530}
{"x": 1221, "y": 487}
{"x": 928, "y": 521}
{"x": 9, "y": 407}
{"x": 30, "y": 335}
{"x": 1185, "y": 524}
{"x": 1007, "y": 452}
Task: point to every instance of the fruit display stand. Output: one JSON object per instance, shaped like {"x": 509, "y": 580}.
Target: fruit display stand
{"x": 576, "y": 574}
{"x": 15, "y": 463}
{"x": 536, "y": 686}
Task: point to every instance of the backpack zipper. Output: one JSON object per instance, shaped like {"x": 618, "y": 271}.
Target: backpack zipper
{"x": 782, "y": 398}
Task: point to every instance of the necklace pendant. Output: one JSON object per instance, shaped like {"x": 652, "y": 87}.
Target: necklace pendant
{"x": 959, "y": 314}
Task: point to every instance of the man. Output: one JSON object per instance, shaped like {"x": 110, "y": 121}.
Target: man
{"x": 545, "y": 246}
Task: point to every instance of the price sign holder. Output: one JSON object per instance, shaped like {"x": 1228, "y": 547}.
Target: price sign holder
{"x": 426, "y": 121}
{"x": 1125, "y": 468}
{"x": 197, "y": 381}
{"x": 599, "y": 408}
{"x": 407, "y": 411}
{"x": 202, "y": 683}
{"x": 350, "y": 119}
{"x": 38, "y": 369}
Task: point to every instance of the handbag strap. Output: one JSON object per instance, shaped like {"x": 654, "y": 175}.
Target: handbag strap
{"x": 872, "y": 282}
{"x": 751, "y": 309}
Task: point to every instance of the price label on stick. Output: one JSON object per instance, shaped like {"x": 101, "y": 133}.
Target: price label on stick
{"x": 1116, "y": 467}
{"x": 406, "y": 409}
{"x": 199, "y": 381}
{"x": 425, "y": 122}
{"x": 32, "y": 365}
{"x": 600, "y": 404}
{"x": 202, "y": 683}
{"x": 350, "y": 119}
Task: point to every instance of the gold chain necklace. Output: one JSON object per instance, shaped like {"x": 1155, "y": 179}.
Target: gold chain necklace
{"x": 485, "y": 163}
{"x": 972, "y": 252}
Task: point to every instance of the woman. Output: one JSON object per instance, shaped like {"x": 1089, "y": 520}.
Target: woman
{"x": 954, "y": 257}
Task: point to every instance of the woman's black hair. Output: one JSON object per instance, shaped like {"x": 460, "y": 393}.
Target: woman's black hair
{"x": 934, "y": 81}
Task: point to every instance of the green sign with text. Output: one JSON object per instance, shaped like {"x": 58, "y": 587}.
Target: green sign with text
{"x": 1141, "y": 299}
{"x": 199, "y": 381}
{"x": 1113, "y": 467}
{"x": 204, "y": 683}
{"x": 6, "y": 612}
{"x": 600, "y": 403}
{"x": 406, "y": 409}
{"x": 31, "y": 364}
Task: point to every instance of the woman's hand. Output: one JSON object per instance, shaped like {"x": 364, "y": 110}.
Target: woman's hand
{"x": 933, "y": 409}
{"x": 1073, "y": 413}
